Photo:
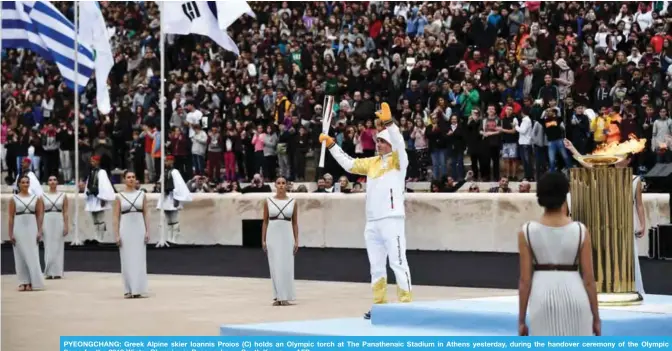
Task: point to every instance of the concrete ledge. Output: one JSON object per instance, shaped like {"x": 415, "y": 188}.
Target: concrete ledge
{"x": 311, "y": 186}
{"x": 455, "y": 222}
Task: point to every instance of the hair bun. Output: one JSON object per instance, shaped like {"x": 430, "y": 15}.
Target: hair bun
{"x": 550, "y": 202}
{"x": 552, "y": 190}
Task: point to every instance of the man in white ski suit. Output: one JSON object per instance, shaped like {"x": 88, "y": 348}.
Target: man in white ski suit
{"x": 385, "y": 215}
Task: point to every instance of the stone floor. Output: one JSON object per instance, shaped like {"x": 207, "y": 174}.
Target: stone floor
{"x": 91, "y": 304}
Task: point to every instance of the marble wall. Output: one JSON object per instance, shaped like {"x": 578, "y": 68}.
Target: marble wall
{"x": 456, "y": 222}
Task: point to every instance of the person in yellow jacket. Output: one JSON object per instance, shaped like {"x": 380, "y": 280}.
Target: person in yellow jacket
{"x": 385, "y": 215}
{"x": 600, "y": 126}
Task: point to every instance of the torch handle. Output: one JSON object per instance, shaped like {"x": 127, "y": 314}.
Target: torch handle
{"x": 326, "y": 122}
{"x": 323, "y": 154}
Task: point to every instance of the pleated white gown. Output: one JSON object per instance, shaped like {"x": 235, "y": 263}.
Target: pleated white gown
{"x": 639, "y": 283}
{"x": 280, "y": 248}
{"x": 133, "y": 251}
{"x": 26, "y": 249}
{"x": 558, "y": 304}
{"x": 53, "y": 234}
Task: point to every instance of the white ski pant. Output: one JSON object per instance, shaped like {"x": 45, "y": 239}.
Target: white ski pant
{"x": 386, "y": 239}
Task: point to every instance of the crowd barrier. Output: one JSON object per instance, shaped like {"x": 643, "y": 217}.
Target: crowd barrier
{"x": 445, "y": 222}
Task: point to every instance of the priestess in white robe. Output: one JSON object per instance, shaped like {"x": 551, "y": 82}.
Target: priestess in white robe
{"x": 35, "y": 187}
{"x": 56, "y": 225}
{"x": 26, "y": 213}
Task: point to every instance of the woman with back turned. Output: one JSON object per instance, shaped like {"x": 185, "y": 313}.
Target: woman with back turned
{"x": 559, "y": 299}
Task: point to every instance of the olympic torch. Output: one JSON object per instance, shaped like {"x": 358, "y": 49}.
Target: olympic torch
{"x": 326, "y": 123}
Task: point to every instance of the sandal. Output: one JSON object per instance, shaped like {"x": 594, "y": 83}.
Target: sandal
{"x": 22, "y": 287}
{"x": 277, "y": 303}
{"x": 29, "y": 287}
{"x": 49, "y": 277}
{"x": 128, "y": 295}
{"x": 137, "y": 296}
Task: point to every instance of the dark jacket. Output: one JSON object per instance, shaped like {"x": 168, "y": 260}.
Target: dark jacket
{"x": 473, "y": 138}
{"x": 436, "y": 139}
{"x": 457, "y": 140}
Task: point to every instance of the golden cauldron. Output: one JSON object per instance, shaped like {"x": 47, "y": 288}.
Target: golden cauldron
{"x": 601, "y": 160}
{"x": 602, "y": 199}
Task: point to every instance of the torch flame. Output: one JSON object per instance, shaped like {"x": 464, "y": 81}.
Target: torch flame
{"x": 631, "y": 146}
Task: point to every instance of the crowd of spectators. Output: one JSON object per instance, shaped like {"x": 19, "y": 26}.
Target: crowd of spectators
{"x": 496, "y": 84}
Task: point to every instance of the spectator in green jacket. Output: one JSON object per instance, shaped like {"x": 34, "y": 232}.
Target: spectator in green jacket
{"x": 469, "y": 99}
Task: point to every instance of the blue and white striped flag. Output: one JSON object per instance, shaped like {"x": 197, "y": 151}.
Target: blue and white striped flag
{"x": 38, "y": 26}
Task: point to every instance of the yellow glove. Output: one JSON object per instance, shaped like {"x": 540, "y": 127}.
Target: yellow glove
{"x": 384, "y": 114}
{"x": 330, "y": 141}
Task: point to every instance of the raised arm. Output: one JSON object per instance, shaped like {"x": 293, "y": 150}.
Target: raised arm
{"x": 575, "y": 154}
{"x": 358, "y": 166}
{"x": 398, "y": 144}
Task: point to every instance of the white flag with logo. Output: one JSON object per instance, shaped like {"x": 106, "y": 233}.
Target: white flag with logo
{"x": 195, "y": 17}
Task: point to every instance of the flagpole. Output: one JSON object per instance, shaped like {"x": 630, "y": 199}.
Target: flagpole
{"x": 162, "y": 49}
{"x": 75, "y": 241}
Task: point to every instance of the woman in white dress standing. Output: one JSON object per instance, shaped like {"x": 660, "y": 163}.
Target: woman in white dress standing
{"x": 132, "y": 235}
{"x": 56, "y": 224}
{"x": 554, "y": 296}
{"x": 280, "y": 241}
{"x": 26, "y": 213}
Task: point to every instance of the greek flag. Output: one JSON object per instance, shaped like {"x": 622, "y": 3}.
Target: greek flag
{"x": 38, "y": 26}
